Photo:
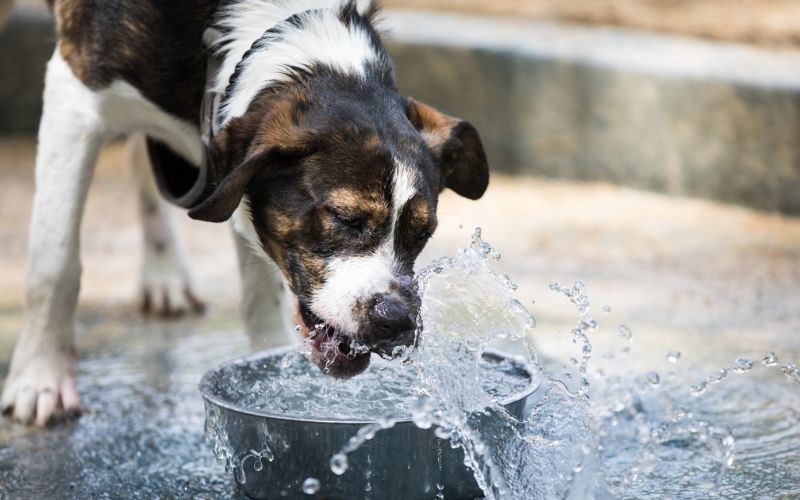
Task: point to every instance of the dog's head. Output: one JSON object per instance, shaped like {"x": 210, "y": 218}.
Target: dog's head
{"x": 336, "y": 178}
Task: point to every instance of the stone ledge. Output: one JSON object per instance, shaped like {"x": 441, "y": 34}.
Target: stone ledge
{"x": 707, "y": 119}
{"x": 658, "y": 112}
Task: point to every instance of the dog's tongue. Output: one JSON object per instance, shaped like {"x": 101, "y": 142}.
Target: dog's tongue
{"x": 338, "y": 355}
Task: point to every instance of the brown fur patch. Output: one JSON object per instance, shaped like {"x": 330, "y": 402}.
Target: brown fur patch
{"x": 434, "y": 125}
{"x": 69, "y": 16}
{"x": 272, "y": 120}
{"x": 354, "y": 203}
{"x": 457, "y": 147}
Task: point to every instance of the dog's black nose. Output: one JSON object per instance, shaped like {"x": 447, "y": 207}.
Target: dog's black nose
{"x": 391, "y": 316}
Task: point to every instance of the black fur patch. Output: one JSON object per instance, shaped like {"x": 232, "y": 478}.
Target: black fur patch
{"x": 174, "y": 175}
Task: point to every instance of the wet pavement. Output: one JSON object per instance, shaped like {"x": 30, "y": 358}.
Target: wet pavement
{"x": 141, "y": 434}
{"x": 712, "y": 281}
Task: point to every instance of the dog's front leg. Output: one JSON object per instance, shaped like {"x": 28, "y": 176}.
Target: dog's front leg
{"x": 166, "y": 286}
{"x": 40, "y": 380}
{"x": 265, "y": 301}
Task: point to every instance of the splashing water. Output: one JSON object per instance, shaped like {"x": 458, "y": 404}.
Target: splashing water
{"x": 584, "y": 436}
{"x": 311, "y": 486}
{"x": 617, "y": 443}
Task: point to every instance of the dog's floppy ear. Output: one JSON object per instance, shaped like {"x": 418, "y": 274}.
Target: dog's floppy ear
{"x": 220, "y": 204}
{"x": 457, "y": 147}
{"x": 272, "y": 136}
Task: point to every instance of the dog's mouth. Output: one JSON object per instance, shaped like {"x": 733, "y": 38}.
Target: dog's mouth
{"x": 337, "y": 354}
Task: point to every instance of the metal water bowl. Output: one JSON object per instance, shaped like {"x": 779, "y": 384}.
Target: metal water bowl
{"x": 402, "y": 462}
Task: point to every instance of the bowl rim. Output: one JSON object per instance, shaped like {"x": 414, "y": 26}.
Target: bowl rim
{"x": 204, "y": 385}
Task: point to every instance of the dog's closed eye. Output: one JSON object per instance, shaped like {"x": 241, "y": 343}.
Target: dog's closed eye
{"x": 424, "y": 235}
{"x": 350, "y": 221}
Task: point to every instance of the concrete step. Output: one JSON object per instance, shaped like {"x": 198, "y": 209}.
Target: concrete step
{"x": 658, "y": 112}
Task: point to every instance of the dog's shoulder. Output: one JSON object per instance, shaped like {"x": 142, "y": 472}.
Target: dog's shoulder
{"x": 153, "y": 45}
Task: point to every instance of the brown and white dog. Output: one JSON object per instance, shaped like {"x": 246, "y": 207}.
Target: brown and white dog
{"x": 324, "y": 169}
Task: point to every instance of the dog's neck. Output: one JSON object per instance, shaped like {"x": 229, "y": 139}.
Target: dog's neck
{"x": 264, "y": 43}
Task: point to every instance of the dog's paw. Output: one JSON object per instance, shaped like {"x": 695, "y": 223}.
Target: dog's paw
{"x": 166, "y": 288}
{"x": 40, "y": 388}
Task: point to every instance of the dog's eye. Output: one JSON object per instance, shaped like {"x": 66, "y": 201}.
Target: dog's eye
{"x": 356, "y": 223}
{"x": 424, "y": 235}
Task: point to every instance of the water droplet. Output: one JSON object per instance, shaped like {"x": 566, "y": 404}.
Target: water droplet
{"x": 678, "y": 413}
{"x": 508, "y": 283}
{"x": 422, "y": 413}
{"x": 286, "y": 362}
{"x": 587, "y": 348}
{"x": 443, "y": 433}
{"x": 555, "y": 286}
{"x": 398, "y": 351}
{"x": 239, "y": 473}
{"x": 742, "y": 365}
{"x": 339, "y": 464}
{"x": 673, "y": 356}
{"x": 607, "y": 309}
{"x": 770, "y": 359}
{"x": 311, "y": 486}
{"x": 573, "y": 361}
{"x": 699, "y": 389}
{"x": 472, "y": 345}
{"x": 717, "y": 377}
{"x": 625, "y": 332}
{"x": 728, "y": 441}
{"x": 653, "y": 378}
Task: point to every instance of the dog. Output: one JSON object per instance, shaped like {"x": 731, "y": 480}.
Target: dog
{"x": 280, "y": 116}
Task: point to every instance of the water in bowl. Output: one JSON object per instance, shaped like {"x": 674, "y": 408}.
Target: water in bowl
{"x": 297, "y": 389}
{"x": 733, "y": 433}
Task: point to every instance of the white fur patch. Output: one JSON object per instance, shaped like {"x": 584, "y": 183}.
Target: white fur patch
{"x": 243, "y": 224}
{"x": 321, "y": 39}
{"x": 354, "y": 280}
{"x": 116, "y": 110}
{"x": 350, "y": 280}
{"x": 404, "y": 189}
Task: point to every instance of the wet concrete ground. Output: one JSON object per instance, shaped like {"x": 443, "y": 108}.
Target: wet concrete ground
{"x": 141, "y": 433}
{"x": 712, "y": 281}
